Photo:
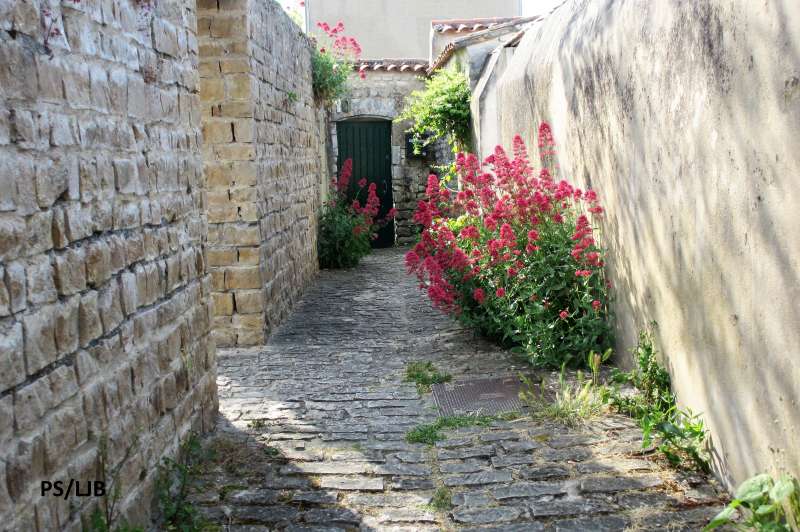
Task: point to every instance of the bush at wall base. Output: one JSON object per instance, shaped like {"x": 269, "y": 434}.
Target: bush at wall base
{"x": 346, "y": 228}
{"x": 513, "y": 254}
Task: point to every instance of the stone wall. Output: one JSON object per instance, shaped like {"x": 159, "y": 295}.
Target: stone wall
{"x": 262, "y": 155}
{"x": 104, "y": 315}
{"x": 381, "y": 95}
{"x": 685, "y": 116}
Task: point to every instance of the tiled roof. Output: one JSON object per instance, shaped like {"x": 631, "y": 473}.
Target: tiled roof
{"x": 468, "y": 24}
{"x": 497, "y": 30}
{"x": 392, "y": 65}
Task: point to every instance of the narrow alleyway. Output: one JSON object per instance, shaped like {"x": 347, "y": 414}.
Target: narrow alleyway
{"x": 311, "y": 432}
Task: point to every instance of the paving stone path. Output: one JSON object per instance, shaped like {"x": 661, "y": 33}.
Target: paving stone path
{"x": 311, "y": 433}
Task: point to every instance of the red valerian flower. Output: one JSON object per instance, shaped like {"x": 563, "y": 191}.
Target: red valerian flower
{"x": 362, "y": 182}
{"x": 479, "y": 295}
{"x": 596, "y": 305}
{"x": 501, "y": 223}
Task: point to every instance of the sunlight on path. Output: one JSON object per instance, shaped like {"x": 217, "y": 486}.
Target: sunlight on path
{"x": 311, "y": 432}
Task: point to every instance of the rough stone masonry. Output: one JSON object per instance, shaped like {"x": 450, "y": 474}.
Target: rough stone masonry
{"x": 264, "y": 154}
{"x": 114, "y": 240}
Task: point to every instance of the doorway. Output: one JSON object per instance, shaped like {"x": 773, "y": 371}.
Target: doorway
{"x": 369, "y": 144}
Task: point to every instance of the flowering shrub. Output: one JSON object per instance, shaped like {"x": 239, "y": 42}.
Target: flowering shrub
{"x": 332, "y": 62}
{"x": 346, "y": 228}
{"x": 513, "y": 253}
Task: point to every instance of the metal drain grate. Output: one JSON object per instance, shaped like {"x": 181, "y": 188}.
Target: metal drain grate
{"x": 480, "y": 396}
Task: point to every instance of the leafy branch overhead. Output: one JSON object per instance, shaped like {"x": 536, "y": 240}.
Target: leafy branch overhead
{"x": 441, "y": 111}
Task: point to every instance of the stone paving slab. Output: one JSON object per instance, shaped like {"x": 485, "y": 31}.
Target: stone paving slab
{"x": 311, "y": 432}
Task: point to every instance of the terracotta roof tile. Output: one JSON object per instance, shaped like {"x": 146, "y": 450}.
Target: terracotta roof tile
{"x": 468, "y": 25}
{"x": 390, "y": 65}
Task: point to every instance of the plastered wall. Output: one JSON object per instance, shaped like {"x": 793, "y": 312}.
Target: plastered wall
{"x": 685, "y": 117}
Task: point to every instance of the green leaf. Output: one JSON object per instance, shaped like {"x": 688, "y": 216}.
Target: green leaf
{"x": 724, "y": 517}
{"x": 782, "y": 489}
{"x": 754, "y": 488}
{"x": 766, "y": 509}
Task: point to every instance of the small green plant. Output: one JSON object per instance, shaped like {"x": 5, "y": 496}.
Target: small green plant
{"x": 765, "y": 504}
{"x": 103, "y": 518}
{"x": 573, "y": 403}
{"x": 680, "y": 435}
{"x": 431, "y": 433}
{"x": 442, "y": 499}
{"x": 441, "y": 111}
{"x": 256, "y": 424}
{"x": 227, "y": 489}
{"x": 594, "y": 361}
{"x": 272, "y": 452}
{"x": 172, "y": 489}
{"x": 292, "y": 97}
{"x": 425, "y": 374}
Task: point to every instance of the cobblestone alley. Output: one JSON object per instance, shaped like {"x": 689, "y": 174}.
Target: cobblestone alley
{"x": 311, "y": 432}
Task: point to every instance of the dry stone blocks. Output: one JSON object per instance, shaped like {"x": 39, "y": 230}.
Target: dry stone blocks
{"x": 263, "y": 158}
{"x": 104, "y": 291}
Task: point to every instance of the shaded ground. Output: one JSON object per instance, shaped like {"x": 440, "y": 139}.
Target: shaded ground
{"x": 311, "y": 432}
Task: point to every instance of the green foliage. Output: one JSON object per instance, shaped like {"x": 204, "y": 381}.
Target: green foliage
{"x": 442, "y": 500}
{"x": 256, "y": 424}
{"x": 340, "y": 244}
{"x": 680, "y": 435}
{"x": 442, "y": 110}
{"x": 430, "y": 433}
{"x": 527, "y": 318}
{"x": 104, "y": 516}
{"x": 766, "y": 505}
{"x": 594, "y": 361}
{"x": 425, "y": 374}
{"x": 330, "y": 72}
{"x": 172, "y": 489}
{"x": 573, "y": 403}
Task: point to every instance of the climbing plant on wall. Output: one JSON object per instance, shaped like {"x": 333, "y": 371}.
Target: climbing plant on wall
{"x": 440, "y": 111}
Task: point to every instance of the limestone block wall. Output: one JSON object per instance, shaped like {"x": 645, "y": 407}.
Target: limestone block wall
{"x": 382, "y": 96}
{"x": 104, "y": 314}
{"x": 262, "y": 157}
{"x": 685, "y": 116}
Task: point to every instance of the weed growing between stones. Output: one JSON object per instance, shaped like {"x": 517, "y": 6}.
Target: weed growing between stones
{"x": 256, "y": 424}
{"x": 424, "y": 374}
{"x": 573, "y": 404}
{"x": 104, "y": 517}
{"x": 431, "y": 433}
{"x": 172, "y": 489}
{"x": 765, "y": 504}
{"x": 442, "y": 500}
{"x": 513, "y": 254}
{"x": 680, "y": 435}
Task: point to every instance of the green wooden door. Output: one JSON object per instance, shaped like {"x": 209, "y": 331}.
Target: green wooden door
{"x": 368, "y": 144}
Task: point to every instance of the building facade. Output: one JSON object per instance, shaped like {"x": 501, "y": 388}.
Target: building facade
{"x": 389, "y": 29}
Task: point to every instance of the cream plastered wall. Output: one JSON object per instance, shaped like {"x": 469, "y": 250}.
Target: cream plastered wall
{"x": 391, "y": 29}
{"x": 685, "y": 116}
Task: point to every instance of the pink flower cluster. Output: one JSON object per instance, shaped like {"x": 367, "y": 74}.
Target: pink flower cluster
{"x": 507, "y": 212}
{"x": 340, "y": 44}
{"x": 369, "y": 211}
